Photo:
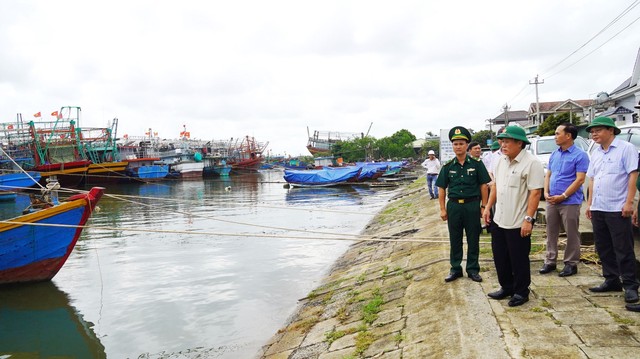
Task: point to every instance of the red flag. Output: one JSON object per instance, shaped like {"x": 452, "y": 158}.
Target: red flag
{"x": 54, "y": 113}
{"x": 10, "y": 127}
{"x": 37, "y": 115}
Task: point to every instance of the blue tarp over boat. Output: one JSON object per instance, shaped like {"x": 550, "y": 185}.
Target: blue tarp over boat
{"x": 323, "y": 177}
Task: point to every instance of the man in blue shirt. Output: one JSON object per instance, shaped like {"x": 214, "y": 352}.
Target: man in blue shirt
{"x": 563, "y": 192}
{"x": 613, "y": 171}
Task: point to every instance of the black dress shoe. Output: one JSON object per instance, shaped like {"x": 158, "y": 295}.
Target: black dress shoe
{"x": 568, "y": 270}
{"x": 547, "y": 268}
{"x": 453, "y": 276}
{"x": 633, "y": 307}
{"x": 499, "y": 294}
{"x": 631, "y": 295}
{"x": 607, "y": 287}
{"x": 475, "y": 277}
{"x": 517, "y": 300}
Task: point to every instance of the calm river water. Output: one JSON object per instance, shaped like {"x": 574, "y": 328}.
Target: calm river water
{"x": 152, "y": 294}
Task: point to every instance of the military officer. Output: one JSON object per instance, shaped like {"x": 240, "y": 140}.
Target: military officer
{"x": 466, "y": 179}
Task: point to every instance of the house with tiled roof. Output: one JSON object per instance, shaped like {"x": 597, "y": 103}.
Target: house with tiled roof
{"x": 577, "y": 108}
{"x": 623, "y": 103}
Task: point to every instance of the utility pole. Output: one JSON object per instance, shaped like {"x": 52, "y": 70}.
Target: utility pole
{"x": 537, "y": 99}
{"x": 506, "y": 114}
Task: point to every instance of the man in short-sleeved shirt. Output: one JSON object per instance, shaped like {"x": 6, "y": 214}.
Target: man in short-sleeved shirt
{"x": 613, "y": 172}
{"x": 563, "y": 191}
{"x": 519, "y": 178}
{"x": 466, "y": 179}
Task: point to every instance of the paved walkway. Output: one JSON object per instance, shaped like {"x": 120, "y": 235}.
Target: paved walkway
{"x": 389, "y": 300}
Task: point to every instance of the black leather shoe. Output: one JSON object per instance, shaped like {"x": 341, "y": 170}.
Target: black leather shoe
{"x": 607, "y": 287}
{"x": 475, "y": 277}
{"x": 568, "y": 270}
{"x": 517, "y": 300}
{"x": 631, "y": 295}
{"x": 453, "y": 276}
{"x": 633, "y": 307}
{"x": 499, "y": 294}
{"x": 547, "y": 268}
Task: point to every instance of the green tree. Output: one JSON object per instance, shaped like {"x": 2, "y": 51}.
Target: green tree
{"x": 481, "y": 137}
{"x": 397, "y": 145}
{"x": 548, "y": 127}
{"x": 430, "y": 145}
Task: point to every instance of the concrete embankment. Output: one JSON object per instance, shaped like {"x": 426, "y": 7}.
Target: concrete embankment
{"x": 389, "y": 300}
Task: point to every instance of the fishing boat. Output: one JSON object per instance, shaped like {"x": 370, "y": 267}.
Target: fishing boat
{"x": 10, "y": 183}
{"x": 247, "y": 156}
{"x": 18, "y": 181}
{"x": 36, "y": 245}
{"x": 141, "y": 156}
{"x": 321, "y": 178}
{"x": 321, "y": 142}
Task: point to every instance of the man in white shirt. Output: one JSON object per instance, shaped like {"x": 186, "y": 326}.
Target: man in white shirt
{"x": 432, "y": 165}
{"x": 612, "y": 173}
{"x": 516, "y": 189}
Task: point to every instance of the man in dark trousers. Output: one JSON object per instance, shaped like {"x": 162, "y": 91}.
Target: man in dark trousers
{"x": 612, "y": 173}
{"x": 466, "y": 180}
{"x": 519, "y": 179}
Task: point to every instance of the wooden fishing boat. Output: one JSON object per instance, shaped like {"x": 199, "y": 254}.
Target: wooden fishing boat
{"x": 36, "y": 245}
{"x": 247, "y": 156}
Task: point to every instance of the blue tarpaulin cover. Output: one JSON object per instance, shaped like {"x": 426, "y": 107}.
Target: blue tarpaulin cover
{"x": 321, "y": 177}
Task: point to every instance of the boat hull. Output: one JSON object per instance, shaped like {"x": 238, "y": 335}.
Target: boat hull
{"x": 189, "y": 170}
{"x": 145, "y": 170}
{"x": 17, "y": 181}
{"x": 106, "y": 172}
{"x": 34, "y": 247}
{"x": 68, "y": 174}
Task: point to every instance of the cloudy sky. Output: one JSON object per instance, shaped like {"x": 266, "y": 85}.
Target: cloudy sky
{"x": 272, "y": 69}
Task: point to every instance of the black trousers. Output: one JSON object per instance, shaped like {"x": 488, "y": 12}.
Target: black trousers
{"x": 511, "y": 258}
{"x": 614, "y": 243}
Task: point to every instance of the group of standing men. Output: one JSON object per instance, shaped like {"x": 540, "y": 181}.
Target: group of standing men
{"x": 506, "y": 192}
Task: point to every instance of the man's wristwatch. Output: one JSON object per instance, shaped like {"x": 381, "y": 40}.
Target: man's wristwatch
{"x": 529, "y": 219}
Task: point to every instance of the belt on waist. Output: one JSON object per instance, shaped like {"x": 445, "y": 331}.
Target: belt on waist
{"x": 465, "y": 200}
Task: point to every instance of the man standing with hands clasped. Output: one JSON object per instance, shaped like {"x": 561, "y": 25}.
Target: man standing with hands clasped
{"x": 466, "y": 179}
{"x": 519, "y": 179}
{"x": 612, "y": 177}
{"x": 563, "y": 191}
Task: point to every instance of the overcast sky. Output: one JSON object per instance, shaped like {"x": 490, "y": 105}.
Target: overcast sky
{"x": 271, "y": 69}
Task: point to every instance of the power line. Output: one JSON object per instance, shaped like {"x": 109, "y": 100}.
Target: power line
{"x": 597, "y": 48}
{"x": 616, "y": 19}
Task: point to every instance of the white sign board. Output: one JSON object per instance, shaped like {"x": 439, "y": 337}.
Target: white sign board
{"x": 446, "y": 147}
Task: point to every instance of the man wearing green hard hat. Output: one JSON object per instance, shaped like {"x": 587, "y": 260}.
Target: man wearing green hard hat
{"x": 518, "y": 182}
{"x": 612, "y": 173}
{"x": 465, "y": 178}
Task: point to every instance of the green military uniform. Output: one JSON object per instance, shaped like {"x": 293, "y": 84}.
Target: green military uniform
{"x": 463, "y": 208}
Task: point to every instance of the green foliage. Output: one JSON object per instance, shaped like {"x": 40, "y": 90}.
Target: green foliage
{"x": 548, "y": 127}
{"x": 353, "y": 150}
{"x": 481, "y": 137}
{"x": 397, "y": 145}
{"x": 430, "y": 145}
{"x": 372, "y": 308}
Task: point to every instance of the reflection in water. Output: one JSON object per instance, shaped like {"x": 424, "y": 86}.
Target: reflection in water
{"x": 37, "y": 321}
{"x": 163, "y": 295}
